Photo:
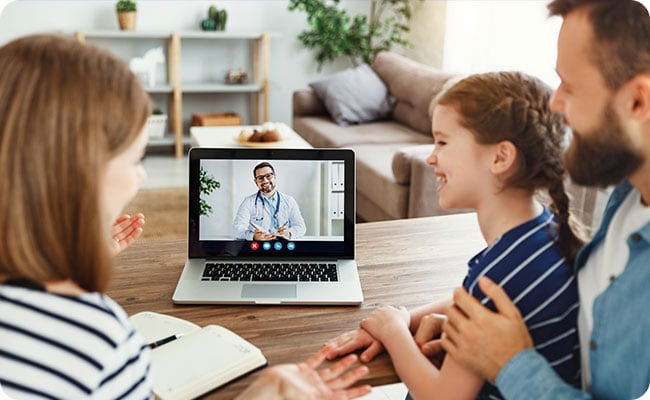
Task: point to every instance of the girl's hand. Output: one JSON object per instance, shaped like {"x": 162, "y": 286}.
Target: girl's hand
{"x": 125, "y": 231}
{"x": 353, "y": 340}
{"x": 384, "y": 321}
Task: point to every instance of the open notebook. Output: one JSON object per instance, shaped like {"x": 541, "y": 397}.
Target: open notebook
{"x": 304, "y": 198}
{"x": 201, "y": 360}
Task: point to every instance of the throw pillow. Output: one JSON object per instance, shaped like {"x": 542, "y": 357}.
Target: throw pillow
{"x": 354, "y": 96}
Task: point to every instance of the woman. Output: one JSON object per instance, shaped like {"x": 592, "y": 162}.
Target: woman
{"x": 72, "y": 138}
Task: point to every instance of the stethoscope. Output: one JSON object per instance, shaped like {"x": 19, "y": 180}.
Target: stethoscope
{"x": 277, "y": 204}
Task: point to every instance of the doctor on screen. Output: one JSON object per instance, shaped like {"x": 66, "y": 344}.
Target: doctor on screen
{"x": 268, "y": 214}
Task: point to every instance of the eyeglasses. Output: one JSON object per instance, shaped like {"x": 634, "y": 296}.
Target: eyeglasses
{"x": 262, "y": 178}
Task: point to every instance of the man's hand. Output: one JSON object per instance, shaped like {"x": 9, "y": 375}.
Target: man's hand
{"x": 427, "y": 337}
{"x": 303, "y": 382}
{"x": 354, "y": 340}
{"x": 482, "y": 340}
{"x": 284, "y": 232}
{"x": 263, "y": 236}
{"x": 125, "y": 230}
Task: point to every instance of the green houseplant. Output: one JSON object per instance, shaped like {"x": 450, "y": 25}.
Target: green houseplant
{"x": 207, "y": 185}
{"x": 126, "y": 14}
{"x": 333, "y": 33}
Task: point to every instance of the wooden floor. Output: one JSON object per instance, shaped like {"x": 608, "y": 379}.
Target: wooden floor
{"x": 165, "y": 170}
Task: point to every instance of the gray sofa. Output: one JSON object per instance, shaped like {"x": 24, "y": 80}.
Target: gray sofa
{"x": 393, "y": 179}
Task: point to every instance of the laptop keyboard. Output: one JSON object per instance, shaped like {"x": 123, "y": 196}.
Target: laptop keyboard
{"x": 270, "y": 272}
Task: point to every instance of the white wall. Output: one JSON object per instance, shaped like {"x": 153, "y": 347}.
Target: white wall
{"x": 486, "y": 36}
{"x": 495, "y": 35}
{"x": 477, "y": 35}
{"x": 291, "y": 66}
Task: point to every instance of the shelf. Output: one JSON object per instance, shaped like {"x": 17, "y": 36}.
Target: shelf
{"x": 197, "y": 34}
{"x": 219, "y": 35}
{"x": 159, "y": 89}
{"x": 115, "y": 34}
{"x": 205, "y": 87}
{"x": 168, "y": 140}
{"x": 175, "y": 87}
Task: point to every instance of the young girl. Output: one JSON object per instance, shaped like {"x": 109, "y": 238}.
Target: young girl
{"x": 497, "y": 143}
{"x": 72, "y": 138}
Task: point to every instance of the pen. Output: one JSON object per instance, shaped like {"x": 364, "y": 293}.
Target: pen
{"x": 162, "y": 341}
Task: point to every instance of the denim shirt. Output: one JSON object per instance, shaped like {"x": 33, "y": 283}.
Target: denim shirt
{"x": 619, "y": 347}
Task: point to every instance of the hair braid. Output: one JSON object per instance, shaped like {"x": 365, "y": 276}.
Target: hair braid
{"x": 514, "y": 106}
{"x": 568, "y": 241}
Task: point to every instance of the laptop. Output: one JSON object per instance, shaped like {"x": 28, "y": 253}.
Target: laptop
{"x": 282, "y": 233}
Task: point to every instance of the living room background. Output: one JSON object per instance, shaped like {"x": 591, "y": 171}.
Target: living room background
{"x": 458, "y": 36}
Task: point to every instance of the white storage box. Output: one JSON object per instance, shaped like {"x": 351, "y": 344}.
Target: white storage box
{"x": 157, "y": 126}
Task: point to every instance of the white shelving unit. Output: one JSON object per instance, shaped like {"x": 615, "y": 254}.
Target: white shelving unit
{"x": 336, "y": 195}
{"x": 176, "y": 85}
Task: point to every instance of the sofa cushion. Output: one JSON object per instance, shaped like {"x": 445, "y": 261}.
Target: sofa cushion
{"x": 411, "y": 83}
{"x": 305, "y": 102}
{"x": 354, "y": 95}
{"x": 375, "y": 178}
{"x": 319, "y": 131}
{"x": 404, "y": 159}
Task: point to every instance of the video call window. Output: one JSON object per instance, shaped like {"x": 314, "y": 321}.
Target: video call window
{"x": 310, "y": 199}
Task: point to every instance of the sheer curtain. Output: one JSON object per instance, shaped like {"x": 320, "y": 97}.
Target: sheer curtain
{"x": 501, "y": 35}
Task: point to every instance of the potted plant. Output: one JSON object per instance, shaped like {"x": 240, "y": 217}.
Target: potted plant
{"x": 157, "y": 124}
{"x": 334, "y": 33}
{"x": 126, "y": 14}
{"x": 216, "y": 20}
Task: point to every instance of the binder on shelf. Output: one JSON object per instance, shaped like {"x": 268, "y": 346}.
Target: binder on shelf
{"x": 341, "y": 177}
{"x": 336, "y": 205}
{"x": 334, "y": 180}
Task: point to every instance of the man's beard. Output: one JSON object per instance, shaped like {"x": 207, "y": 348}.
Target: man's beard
{"x": 267, "y": 190}
{"x": 602, "y": 157}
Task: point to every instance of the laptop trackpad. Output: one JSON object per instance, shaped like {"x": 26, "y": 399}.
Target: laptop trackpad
{"x": 269, "y": 291}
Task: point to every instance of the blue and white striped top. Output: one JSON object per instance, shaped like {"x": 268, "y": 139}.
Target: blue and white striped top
{"x": 69, "y": 347}
{"x": 534, "y": 273}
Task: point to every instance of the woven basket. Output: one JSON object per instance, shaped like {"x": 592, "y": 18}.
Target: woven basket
{"x": 216, "y": 119}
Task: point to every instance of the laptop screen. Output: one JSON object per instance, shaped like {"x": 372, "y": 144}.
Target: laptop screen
{"x": 271, "y": 203}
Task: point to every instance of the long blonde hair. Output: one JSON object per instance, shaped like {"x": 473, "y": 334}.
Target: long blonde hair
{"x": 65, "y": 110}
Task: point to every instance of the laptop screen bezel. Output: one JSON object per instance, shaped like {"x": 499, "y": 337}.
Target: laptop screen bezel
{"x": 213, "y": 249}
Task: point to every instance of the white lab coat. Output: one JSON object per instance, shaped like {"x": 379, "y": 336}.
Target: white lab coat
{"x": 255, "y": 210}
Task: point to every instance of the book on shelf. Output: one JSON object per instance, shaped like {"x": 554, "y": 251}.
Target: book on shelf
{"x": 190, "y": 360}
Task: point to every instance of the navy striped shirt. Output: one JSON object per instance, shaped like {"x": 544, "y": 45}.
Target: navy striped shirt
{"x": 534, "y": 273}
{"x": 69, "y": 347}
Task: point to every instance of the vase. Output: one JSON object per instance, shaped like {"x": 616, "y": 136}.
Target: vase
{"x": 127, "y": 20}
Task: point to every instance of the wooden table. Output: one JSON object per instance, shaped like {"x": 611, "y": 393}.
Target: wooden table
{"x": 226, "y": 136}
{"x": 403, "y": 262}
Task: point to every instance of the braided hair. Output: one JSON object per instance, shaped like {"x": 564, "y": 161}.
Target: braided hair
{"x": 514, "y": 106}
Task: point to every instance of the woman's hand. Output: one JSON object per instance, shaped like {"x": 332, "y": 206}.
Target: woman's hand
{"x": 353, "y": 340}
{"x": 125, "y": 231}
{"x": 303, "y": 382}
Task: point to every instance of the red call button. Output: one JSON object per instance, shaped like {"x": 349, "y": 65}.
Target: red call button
{"x": 255, "y": 246}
